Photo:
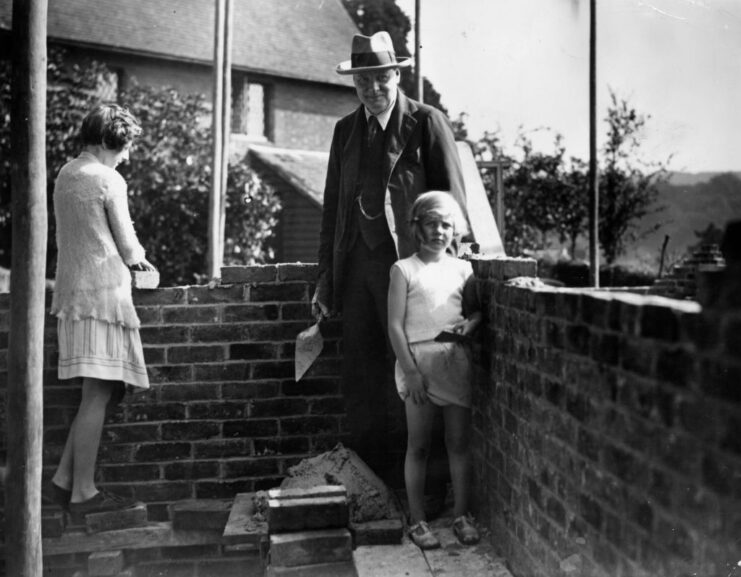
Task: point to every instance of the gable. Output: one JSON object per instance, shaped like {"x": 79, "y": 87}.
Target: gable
{"x": 301, "y": 39}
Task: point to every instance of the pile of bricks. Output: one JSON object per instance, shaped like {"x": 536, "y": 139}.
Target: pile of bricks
{"x": 309, "y": 533}
{"x": 681, "y": 282}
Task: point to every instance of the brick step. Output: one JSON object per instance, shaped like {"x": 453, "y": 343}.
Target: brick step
{"x": 151, "y": 535}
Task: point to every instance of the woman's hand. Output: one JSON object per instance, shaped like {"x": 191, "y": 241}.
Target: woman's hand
{"x": 143, "y": 265}
{"x": 415, "y": 384}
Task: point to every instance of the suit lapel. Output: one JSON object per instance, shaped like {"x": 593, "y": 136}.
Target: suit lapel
{"x": 351, "y": 153}
{"x": 402, "y": 124}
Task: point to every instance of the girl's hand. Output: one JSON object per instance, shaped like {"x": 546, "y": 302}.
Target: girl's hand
{"x": 416, "y": 386}
{"x": 467, "y": 326}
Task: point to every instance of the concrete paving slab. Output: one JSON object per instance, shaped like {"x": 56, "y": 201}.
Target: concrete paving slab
{"x": 390, "y": 561}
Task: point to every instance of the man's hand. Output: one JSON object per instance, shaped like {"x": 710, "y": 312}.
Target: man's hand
{"x": 318, "y": 308}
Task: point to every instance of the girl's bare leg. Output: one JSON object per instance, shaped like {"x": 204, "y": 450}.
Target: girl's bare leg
{"x": 419, "y": 426}
{"x": 457, "y": 442}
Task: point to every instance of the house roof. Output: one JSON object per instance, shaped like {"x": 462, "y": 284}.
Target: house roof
{"x": 305, "y": 170}
{"x": 302, "y": 39}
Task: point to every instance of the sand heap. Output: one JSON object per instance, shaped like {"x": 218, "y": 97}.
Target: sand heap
{"x": 368, "y": 497}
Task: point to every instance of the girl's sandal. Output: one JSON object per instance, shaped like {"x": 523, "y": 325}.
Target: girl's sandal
{"x": 465, "y": 531}
{"x": 423, "y": 537}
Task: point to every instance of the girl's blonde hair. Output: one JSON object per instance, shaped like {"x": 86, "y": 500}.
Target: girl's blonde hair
{"x": 439, "y": 203}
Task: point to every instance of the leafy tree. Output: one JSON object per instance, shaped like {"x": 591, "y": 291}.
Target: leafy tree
{"x": 628, "y": 187}
{"x": 544, "y": 196}
{"x": 370, "y": 16}
{"x": 168, "y": 176}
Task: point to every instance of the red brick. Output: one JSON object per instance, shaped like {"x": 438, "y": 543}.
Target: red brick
{"x": 198, "y": 354}
{"x": 248, "y": 274}
{"x": 312, "y": 512}
{"x": 294, "y": 291}
{"x": 145, "y": 279}
{"x": 190, "y": 315}
{"x": 201, "y": 514}
{"x": 343, "y": 569}
{"x": 110, "y": 521}
{"x": 162, "y": 296}
{"x": 105, "y": 563}
{"x": 310, "y": 547}
{"x": 297, "y": 271}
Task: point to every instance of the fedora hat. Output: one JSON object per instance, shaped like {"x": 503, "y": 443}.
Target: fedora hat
{"x": 372, "y": 53}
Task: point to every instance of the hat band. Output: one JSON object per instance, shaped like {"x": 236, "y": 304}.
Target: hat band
{"x": 368, "y": 59}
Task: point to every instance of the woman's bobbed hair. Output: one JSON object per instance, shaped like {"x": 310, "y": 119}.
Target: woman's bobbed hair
{"x": 110, "y": 125}
{"x": 438, "y": 203}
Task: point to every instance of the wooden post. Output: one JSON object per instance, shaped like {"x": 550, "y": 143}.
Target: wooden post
{"x": 419, "y": 80}
{"x": 215, "y": 236}
{"x": 593, "y": 166}
{"x": 27, "y": 287}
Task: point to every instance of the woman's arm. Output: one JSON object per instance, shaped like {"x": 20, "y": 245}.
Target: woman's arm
{"x": 119, "y": 220}
{"x": 397, "y": 306}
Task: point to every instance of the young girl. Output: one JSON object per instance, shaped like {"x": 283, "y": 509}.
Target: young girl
{"x": 426, "y": 297}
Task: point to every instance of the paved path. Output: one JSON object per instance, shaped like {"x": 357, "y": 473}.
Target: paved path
{"x": 451, "y": 560}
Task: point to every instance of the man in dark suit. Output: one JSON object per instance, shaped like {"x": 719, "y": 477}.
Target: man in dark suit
{"x": 383, "y": 155}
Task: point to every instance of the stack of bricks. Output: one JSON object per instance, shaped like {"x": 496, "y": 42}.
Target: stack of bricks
{"x": 682, "y": 281}
{"x": 309, "y": 533}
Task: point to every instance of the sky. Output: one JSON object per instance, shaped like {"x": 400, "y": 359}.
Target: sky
{"x": 508, "y": 64}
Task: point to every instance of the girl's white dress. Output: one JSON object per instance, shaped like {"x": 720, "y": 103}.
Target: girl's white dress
{"x": 435, "y": 303}
{"x": 97, "y": 325}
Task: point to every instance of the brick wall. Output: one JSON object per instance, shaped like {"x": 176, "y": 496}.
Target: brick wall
{"x": 607, "y": 430}
{"x": 224, "y": 414}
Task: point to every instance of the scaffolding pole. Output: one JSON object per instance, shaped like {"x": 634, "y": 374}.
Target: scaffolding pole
{"x": 27, "y": 288}
{"x": 593, "y": 166}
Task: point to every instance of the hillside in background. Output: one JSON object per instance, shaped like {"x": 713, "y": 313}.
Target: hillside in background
{"x": 692, "y": 202}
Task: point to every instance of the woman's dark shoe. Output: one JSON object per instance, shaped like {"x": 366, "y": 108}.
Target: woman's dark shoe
{"x": 101, "y": 502}
{"x": 59, "y": 496}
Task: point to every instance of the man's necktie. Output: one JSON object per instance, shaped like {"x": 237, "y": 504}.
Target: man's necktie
{"x": 374, "y": 129}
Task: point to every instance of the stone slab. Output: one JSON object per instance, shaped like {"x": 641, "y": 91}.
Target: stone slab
{"x": 105, "y": 563}
{"x": 308, "y": 492}
{"x": 242, "y": 525}
{"x": 310, "y": 547}
{"x": 383, "y": 532}
{"x": 306, "y": 513}
{"x": 200, "y": 514}
{"x": 391, "y": 561}
{"x": 345, "y": 569}
{"x": 112, "y": 520}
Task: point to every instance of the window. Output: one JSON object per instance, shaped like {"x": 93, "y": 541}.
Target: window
{"x": 109, "y": 85}
{"x": 249, "y": 106}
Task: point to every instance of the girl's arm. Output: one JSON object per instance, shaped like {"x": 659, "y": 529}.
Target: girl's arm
{"x": 471, "y": 307}
{"x": 397, "y": 306}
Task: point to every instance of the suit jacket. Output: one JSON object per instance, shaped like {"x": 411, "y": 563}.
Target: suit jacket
{"x": 420, "y": 155}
